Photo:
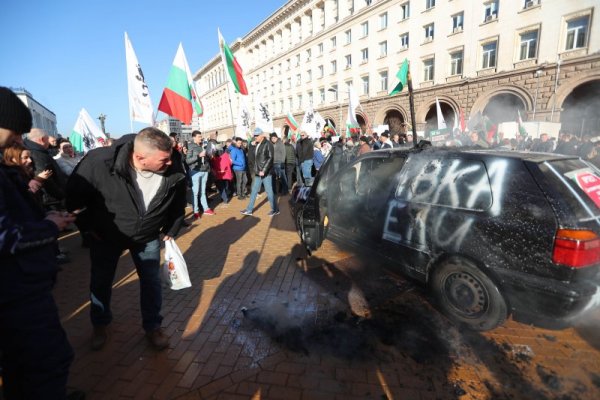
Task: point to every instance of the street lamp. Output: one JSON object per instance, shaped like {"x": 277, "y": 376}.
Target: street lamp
{"x": 538, "y": 73}
{"x": 334, "y": 90}
{"x": 102, "y": 118}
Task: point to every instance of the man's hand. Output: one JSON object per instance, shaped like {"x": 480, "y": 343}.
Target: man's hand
{"x": 60, "y": 219}
{"x": 202, "y": 153}
{"x": 167, "y": 238}
{"x": 261, "y": 173}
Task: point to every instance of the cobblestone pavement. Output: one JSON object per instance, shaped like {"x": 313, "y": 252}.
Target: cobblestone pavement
{"x": 264, "y": 321}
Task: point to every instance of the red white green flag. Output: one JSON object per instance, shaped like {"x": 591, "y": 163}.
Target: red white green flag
{"x": 233, "y": 67}
{"x": 291, "y": 122}
{"x": 522, "y": 130}
{"x": 180, "y": 98}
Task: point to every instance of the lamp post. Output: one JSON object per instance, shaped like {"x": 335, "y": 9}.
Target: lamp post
{"x": 333, "y": 90}
{"x": 102, "y": 118}
{"x": 538, "y": 73}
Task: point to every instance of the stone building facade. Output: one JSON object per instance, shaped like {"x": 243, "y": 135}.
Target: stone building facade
{"x": 494, "y": 57}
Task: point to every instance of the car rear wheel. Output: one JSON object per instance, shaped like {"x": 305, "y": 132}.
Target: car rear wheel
{"x": 467, "y": 295}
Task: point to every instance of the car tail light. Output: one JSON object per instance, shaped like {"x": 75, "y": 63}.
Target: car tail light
{"x": 576, "y": 248}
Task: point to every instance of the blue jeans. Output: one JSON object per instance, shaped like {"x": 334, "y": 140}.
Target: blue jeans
{"x": 199, "y": 179}
{"x": 307, "y": 171}
{"x": 266, "y": 181}
{"x": 223, "y": 186}
{"x": 279, "y": 174}
{"x": 146, "y": 257}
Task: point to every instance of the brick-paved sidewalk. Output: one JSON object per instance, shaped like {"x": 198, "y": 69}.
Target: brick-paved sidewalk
{"x": 325, "y": 327}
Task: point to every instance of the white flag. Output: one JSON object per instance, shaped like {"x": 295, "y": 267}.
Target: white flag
{"x": 440, "y": 117}
{"x": 262, "y": 117}
{"x": 140, "y": 103}
{"x": 353, "y": 104}
{"x": 312, "y": 123}
{"x": 86, "y": 135}
{"x": 243, "y": 129}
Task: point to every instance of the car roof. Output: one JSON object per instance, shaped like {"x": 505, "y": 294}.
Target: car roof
{"x": 478, "y": 151}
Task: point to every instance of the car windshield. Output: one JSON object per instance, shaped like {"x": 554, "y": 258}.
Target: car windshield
{"x": 578, "y": 184}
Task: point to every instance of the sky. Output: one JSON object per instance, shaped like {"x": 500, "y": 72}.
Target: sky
{"x": 70, "y": 54}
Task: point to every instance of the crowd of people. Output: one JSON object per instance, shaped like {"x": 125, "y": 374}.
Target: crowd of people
{"x": 130, "y": 195}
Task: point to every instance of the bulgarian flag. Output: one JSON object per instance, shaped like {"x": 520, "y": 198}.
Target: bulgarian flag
{"x": 180, "y": 98}
{"x": 491, "y": 129}
{"x": 402, "y": 76}
{"x": 232, "y": 65}
{"x": 291, "y": 122}
{"x": 522, "y": 130}
{"x": 86, "y": 135}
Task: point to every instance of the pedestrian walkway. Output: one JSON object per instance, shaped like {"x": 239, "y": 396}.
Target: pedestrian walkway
{"x": 263, "y": 321}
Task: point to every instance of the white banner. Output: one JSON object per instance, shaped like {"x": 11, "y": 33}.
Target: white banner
{"x": 243, "y": 128}
{"x": 86, "y": 128}
{"x": 440, "y": 117}
{"x": 262, "y": 117}
{"x": 353, "y": 104}
{"x": 140, "y": 103}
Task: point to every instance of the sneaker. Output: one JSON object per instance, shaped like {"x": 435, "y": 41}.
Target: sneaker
{"x": 62, "y": 258}
{"x": 196, "y": 216}
{"x": 158, "y": 339}
{"x": 99, "y": 337}
{"x": 273, "y": 213}
{"x": 246, "y": 212}
{"x": 241, "y": 197}
{"x": 209, "y": 212}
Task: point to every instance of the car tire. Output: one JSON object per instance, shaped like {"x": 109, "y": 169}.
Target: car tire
{"x": 467, "y": 295}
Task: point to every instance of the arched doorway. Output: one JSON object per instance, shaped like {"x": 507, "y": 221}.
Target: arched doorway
{"x": 431, "y": 119}
{"x": 503, "y": 108}
{"x": 395, "y": 121}
{"x": 285, "y": 131}
{"x": 579, "y": 114}
{"x": 362, "y": 123}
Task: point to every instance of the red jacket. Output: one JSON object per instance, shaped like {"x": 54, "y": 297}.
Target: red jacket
{"x": 221, "y": 167}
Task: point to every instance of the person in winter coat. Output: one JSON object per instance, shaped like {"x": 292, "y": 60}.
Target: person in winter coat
{"x": 131, "y": 193}
{"x": 36, "y": 354}
{"x": 317, "y": 156}
{"x": 221, "y": 168}
{"x": 290, "y": 162}
{"x": 18, "y": 156}
{"x": 238, "y": 163}
{"x": 197, "y": 159}
{"x": 305, "y": 153}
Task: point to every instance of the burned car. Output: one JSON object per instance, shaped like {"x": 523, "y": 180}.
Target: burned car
{"x": 490, "y": 233}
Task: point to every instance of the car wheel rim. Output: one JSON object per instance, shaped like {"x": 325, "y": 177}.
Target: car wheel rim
{"x": 466, "y": 294}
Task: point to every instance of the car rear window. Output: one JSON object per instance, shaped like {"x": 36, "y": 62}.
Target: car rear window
{"x": 578, "y": 184}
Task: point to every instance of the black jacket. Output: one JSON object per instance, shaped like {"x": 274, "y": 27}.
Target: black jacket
{"x": 27, "y": 241}
{"x": 305, "y": 150}
{"x": 102, "y": 182}
{"x": 264, "y": 157}
{"x": 54, "y": 186}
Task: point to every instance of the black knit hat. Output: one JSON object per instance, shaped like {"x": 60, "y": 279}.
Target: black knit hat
{"x": 14, "y": 114}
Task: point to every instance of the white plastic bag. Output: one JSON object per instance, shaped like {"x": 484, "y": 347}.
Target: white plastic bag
{"x": 174, "y": 270}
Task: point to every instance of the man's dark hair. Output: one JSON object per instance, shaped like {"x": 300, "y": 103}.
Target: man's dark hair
{"x": 173, "y": 134}
{"x": 196, "y": 133}
{"x": 154, "y": 138}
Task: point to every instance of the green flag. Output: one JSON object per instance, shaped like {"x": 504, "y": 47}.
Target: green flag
{"x": 402, "y": 76}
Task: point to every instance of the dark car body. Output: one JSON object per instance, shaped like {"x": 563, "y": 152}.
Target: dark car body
{"x": 491, "y": 233}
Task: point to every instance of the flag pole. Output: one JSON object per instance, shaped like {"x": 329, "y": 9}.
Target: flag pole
{"x": 412, "y": 108}
{"x": 230, "y": 110}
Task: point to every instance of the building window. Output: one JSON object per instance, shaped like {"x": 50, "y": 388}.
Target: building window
{"x": 383, "y": 21}
{"x": 289, "y": 83}
{"x": 297, "y": 60}
{"x": 491, "y": 11}
{"x": 333, "y": 66}
{"x": 321, "y": 72}
{"x": 320, "y": 48}
{"x": 321, "y": 96}
{"x": 348, "y": 61}
{"x": 383, "y": 48}
{"x": 299, "y": 101}
{"x": 333, "y": 42}
{"x": 309, "y": 75}
{"x": 531, "y": 3}
{"x": 280, "y": 86}
{"x": 528, "y": 45}
{"x": 298, "y": 80}
{"x": 308, "y": 54}
{"x": 429, "y": 4}
{"x": 405, "y": 10}
{"x": 456, "y": 63}
{"x": 383, "y": 81}
{"x": 364, "y": 28}
{"x": 310, "y": 97}
{"x": 365, "y": 85}
{"x": 272, "y": 89}
{"x": 348, "y": 86}
{"x": 368, "y": 2}
{"x": 334, "y": 90}
{"x": 287, "y": 64}
{"x": 428, "y": 32}
{"x": 281, "y": 107}
{"x": 290, "y": 104}
{"x": 458, "y": 22}
{"x": 489, "y": 55}
{"x": 404, "y": 41}
{"x": 348, "y": 34}
{"x": 428, "y": 70}
{"x": 577, "y": 32}
{"x": 364, "y": 55}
